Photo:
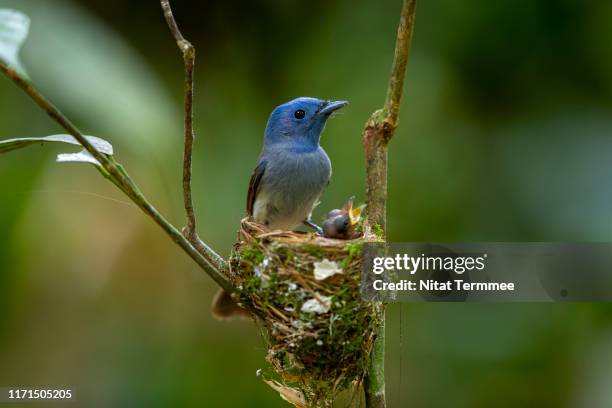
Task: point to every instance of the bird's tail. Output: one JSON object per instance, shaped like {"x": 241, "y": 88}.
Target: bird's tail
{"x": 224, "y": 307}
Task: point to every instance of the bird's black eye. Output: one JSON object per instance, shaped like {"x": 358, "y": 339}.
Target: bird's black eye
{"x": 299, "y": 114}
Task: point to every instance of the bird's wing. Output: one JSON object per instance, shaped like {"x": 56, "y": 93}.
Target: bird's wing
{"x": 254, "y": 185}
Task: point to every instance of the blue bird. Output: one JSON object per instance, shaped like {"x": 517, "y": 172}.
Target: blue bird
{"x": 290, "y": 176}
{"x": 293, "y": 169}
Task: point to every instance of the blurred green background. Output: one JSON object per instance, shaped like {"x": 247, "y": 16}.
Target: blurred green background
{"x": 505, "y": 135}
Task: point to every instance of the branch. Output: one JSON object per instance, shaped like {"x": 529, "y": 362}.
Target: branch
{"x": 400, "y": 60}
{"x": 381, "y": 126}
{"x": 188, "y": 51}
{"x": 376, "y": 136}
{"x": 117, "y": 174}
{"x": 374, "y": 383}
{"x": 189, "y": 59}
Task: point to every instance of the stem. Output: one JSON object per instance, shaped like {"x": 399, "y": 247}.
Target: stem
{"x": 375, "y": 380}
{"x": 377, "y": 133}
{"x": 115, "y": 173}
{"x": 188, "y": 52}
{"x": 400, "y": 60}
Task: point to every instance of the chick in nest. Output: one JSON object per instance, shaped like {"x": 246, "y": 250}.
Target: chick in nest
{"x": 342, "y": 223}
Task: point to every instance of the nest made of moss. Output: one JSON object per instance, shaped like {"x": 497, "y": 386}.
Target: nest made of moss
{"x": 305, "y": 289}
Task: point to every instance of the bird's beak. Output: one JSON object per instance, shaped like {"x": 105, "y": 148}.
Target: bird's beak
{"x": 349, "y": 205}
{"x": 355, "y": 214}
{"x": 332, "y": 106}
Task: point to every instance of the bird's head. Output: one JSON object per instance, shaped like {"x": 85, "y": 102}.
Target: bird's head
{"x": 341, "y": 223}
{"x": 299, "y": 123}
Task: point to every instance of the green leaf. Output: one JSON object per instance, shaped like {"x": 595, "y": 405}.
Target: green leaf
{"x": 12, "y": 144}
{"x": 14, "y": 27}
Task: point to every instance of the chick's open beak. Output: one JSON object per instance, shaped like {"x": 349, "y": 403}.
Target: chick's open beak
{"x": 355, "y": 214}
{"x": 332, "y": 106}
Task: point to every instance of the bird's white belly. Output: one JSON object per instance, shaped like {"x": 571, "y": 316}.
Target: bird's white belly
{"x": 274, "y": 212}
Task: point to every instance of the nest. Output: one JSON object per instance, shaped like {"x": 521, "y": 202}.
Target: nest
{"x": 305, "y": 290}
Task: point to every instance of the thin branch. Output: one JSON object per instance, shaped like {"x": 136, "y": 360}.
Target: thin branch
{"x": 376, "y": 136}
{"x": 400, "y": 60}
{"x": 381, "y": 126}
{"x": 117, "y": 174}
{"x": 188, "y": 52}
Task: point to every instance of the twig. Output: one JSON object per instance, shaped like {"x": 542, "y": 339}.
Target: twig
{"x": 400, "y": 60}
{"x": 381, "y": 126}
{"x": 376, "y": 136}
{"x": 188, "y": 52}
{"x": 117, "y": 174}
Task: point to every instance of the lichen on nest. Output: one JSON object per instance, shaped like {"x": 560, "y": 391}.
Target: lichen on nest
{"x": 318, "y": 329}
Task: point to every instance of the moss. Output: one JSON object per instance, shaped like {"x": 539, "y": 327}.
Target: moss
{"x": 359, "y": 229}
{"x": 378, "y": 116}
{"x": 313, "y": 250}
{"x": 285, "y": 255}
{"x": 252, "y": 254}
{"x": 354, "y": 251}
{"x": 378, "y": 230}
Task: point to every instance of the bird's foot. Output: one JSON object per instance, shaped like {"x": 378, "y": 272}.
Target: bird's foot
{"x": 318, "y": 230}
